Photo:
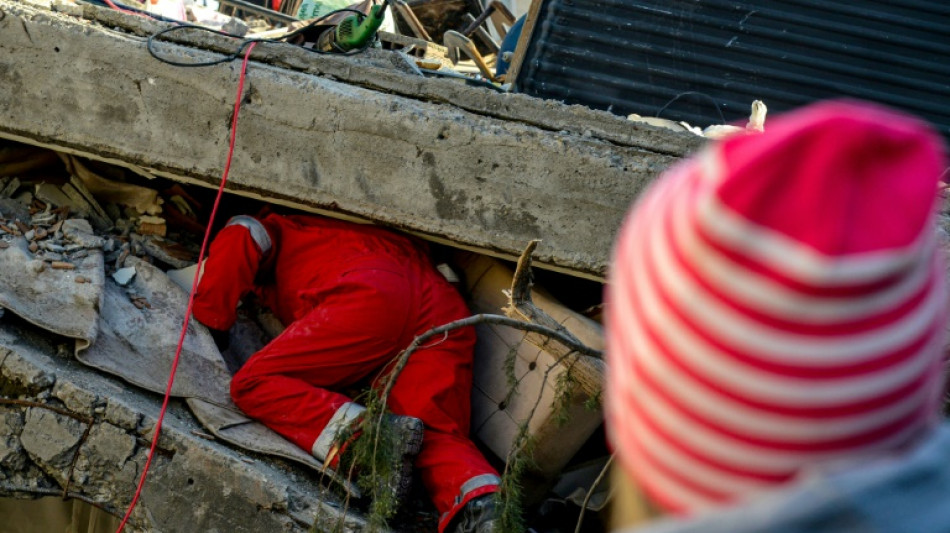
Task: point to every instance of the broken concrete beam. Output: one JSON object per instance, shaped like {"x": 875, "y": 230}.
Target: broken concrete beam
{"x": 64, "y": 427}
{"x": 468, "y": 166}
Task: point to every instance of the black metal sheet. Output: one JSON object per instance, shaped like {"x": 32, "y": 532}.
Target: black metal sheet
{"x": 703, "y": 60}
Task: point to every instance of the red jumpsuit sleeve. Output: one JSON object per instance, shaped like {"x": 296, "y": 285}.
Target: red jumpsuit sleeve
{"x": 229, "y": 274}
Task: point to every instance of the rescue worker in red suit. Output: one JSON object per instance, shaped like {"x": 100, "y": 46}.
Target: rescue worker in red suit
{"x": 353, "y": 296}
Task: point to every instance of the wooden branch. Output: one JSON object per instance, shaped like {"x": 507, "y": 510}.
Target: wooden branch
{"x": 589, "y": 373}
{"x": 64, "y": 412}
{"x": 593, "y": 487}
{"x": 403, "y": 358}
{"x": 520, "y": 305}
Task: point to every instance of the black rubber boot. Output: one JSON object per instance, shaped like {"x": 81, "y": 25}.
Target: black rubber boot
{"x": 407, "y": 438}
{"x": 479, "y": 515}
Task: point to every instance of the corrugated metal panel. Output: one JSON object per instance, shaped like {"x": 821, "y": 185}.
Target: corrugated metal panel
{"x": 639, "y": 56}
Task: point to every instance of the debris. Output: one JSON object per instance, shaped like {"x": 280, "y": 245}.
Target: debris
{"x": 4, "y": 244}
{"x": 10, "y": 188}
{"x": 756, "y": 124}
{"x": 183, "y": 277}
{"x": 33, "y": 247}
{"x": 123, "y": 254}
{"x": 77, "y": 199}
{"x": 151, "y": 225}
{"x": 182, "y": 205}
{"x": 62, "y": 265}
{"x": 29, "y": 235}
{"x": 123, "y": 276}
{"x": 202, "y": 434}
{"x": 25, "y": 197}
{"x": 168, "y": 252}
{"x": 142, "y": 199}
{"x": 52, "y": 247}
{"x": 79, "y": 232}
{"x": 659, "y": 122}
{"x": 82, "y": 279}
{"x": 140, "y": 302}
{"x": 37, "y": 266}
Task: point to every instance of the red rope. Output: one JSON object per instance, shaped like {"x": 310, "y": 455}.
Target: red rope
{"x": 191, "y": 295}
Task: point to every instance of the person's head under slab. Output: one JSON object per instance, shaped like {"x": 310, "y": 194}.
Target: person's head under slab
{"x": 776, "y": 308}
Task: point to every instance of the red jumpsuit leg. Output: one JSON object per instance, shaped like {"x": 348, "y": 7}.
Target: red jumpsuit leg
{"x": 355, "y": 328}
{"x": 436, "y": 386}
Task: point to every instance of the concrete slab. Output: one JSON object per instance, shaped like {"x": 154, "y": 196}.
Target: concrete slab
{"x": 352, "y": 136}
{"x": 66, "y": 427}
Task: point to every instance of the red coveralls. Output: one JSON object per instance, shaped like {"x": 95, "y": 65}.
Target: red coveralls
{"x": 353, "y": 296}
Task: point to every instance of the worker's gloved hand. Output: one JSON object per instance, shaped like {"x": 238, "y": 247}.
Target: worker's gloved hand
{"x": 222, "y": 337}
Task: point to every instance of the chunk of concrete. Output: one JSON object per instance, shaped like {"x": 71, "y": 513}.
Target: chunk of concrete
{"x": 50, "y": 439}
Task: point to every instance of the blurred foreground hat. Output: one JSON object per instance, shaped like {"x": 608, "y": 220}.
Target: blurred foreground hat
{"x": 776, "y": 302}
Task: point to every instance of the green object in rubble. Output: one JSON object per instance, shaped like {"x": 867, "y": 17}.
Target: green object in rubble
{"x": 310, "y": 9}
{"x": 355, "y": 31}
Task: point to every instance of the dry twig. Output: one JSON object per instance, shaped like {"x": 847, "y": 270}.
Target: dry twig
{"x": 590, "y": 492}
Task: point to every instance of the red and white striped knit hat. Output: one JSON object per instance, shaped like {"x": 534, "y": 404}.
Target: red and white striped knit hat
{"x": 776, "y": 302}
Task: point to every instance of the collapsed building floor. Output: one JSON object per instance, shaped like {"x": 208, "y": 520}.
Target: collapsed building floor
{"x": 358, "y": 138}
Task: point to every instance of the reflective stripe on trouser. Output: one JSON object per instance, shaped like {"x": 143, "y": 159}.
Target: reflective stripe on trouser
{"x": 471, "y": 489}
{"x": 341, "y": 419}
{"x": 354, "y": 332}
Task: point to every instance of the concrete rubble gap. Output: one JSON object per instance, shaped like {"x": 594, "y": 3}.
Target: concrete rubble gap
{"x": 353, "y": 137}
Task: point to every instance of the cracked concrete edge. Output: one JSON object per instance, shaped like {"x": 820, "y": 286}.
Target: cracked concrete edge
{"x": 375, "y": 73}
{"x": 436, "y": 170}
{"x": 95, "y": 439}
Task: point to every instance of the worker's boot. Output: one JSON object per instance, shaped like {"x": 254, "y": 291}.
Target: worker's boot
{"x": 400, "y": 439}
{"x": 406, "y": 438}
{"x": 480, "y": 515}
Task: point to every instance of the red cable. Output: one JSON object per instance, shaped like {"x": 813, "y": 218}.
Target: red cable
{"x": 191, "y": 295}
{"x": 119, "y": 9}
